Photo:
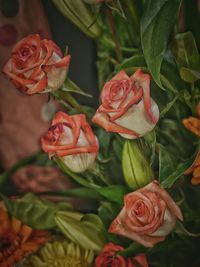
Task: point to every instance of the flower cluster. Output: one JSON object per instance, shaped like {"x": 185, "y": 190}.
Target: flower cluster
{"x": 126, "y": 156}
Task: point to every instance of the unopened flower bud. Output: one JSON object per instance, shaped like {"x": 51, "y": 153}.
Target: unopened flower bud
{"x": 136, "y": 169}
{"x": 71, "y": 139}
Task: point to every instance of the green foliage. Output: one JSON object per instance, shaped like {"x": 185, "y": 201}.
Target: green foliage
{"x": 170, "y": 169}
{"x": 87, "y": 230}
{"x": 187, "y": 56}
{"x": 114, "y": 193}
{"x": 81, "y": 15}
{"x": 33, "y": 211}
{"x": 108, "y": 211}
{"x": 156, "y": 25}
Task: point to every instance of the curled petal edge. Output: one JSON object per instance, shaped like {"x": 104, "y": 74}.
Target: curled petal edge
{"x": 148, "y": 241}
{"x": 103, "y": 120}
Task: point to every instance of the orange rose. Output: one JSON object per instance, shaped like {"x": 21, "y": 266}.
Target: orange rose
{"x": 148, "y": 215}
{"x": 109, "y": 258}
{"x": 37, "y": 66}
{"x": 126, "y": 106}
{"x": 71, "y": 139}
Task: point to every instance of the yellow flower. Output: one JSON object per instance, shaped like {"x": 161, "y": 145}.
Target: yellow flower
{"x": 62, "y": 254}
{"x": 17, "y": 239}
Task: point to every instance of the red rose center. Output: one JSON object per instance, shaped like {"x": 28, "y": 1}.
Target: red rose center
{"x": 139, "y": 209}
{"x": 116, "y": 92}
{"x": 54, "y": 133}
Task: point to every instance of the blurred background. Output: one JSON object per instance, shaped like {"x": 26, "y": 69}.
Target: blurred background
{"x": 24, "y": 119}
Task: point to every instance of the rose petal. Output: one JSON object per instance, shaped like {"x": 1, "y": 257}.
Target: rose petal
{"x": 142, "y": 260}
{"x": 32, "y": 39}
{"x": 148, "y": 241}
{"x": 135, "y": 120}
{"x": 154, "y": 187}
{"x": 103, "y": 120}
{"x": 143, "y": 80}
{"x": 120, "y": 76}
{"x": 37, "y": 87}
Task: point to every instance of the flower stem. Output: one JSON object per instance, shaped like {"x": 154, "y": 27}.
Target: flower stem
{"x": 69, "y": 99}
{"x": 114, "y": 34}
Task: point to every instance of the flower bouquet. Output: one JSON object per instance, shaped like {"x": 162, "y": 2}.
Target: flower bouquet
{"x": 131, "y": 158}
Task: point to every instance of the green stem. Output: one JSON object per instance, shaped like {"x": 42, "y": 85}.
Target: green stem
{"x": 72, "y": 101}
{"x": 114, "y": 34}
{"x": 67, "y": 100}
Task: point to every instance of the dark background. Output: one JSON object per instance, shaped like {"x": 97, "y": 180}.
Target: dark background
{"x": 82, "y": 49}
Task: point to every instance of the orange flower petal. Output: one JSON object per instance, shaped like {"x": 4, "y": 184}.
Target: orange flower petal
{"x": 16, "y": 225}
{"x": 25, "y": 232}
{"x": 193, "y": 125}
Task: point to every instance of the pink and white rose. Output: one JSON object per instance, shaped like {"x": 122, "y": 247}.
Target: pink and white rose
{"x": 72, "y": 140}
{"x": 36, "y": 65}
{"x": 126, "y": 106}
{"x": 148, "y": 216}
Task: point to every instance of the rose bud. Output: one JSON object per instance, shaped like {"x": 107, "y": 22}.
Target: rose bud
{"x": 137, "y": 171}
{"x": 36, "y": 65}
{"x": 127, "y": 108}
{"x": 148, "y": 215}
{"x": 109, "y": 257}
{"x": 71, "y": 139}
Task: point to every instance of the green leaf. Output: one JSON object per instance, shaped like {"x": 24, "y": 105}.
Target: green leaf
{"x": 115, "y": 193}
{"x": 187, "y": 56}
{"x": 168, "y": 106}
{"x": 166, "y": 163}
{"x": 181, "y": 230}
{"x": 81, "y": 192}
{"x": 71, "y": 87}
{"x": 156, "y": 24}
{"x": 87, "y": 232}
{"x": 81, "y": 15}
{"x": 190, "y": 75}
{"x": 117, "y": 7}
{"x": 104, "y": 141}
{"x": 77, "y": 177}
{"x": 108, "y": 211}
{"x": 170, "y": 77}
{"x": 32, "y": 211}
{"x": 131, "y": 64}
{"x": 103, "y": 70}
{"x": 150, "y": 139}
{"x": 117, "y": 145}
{"x": 169, "y": 169}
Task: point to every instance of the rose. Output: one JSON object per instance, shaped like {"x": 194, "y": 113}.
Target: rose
{"x": 148, "y": 215}
{"x": 37, "y": 66}
{"x": 71, "y": 139}
{"x": 109, "y": 258}
{"x": 126, "y": 106}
